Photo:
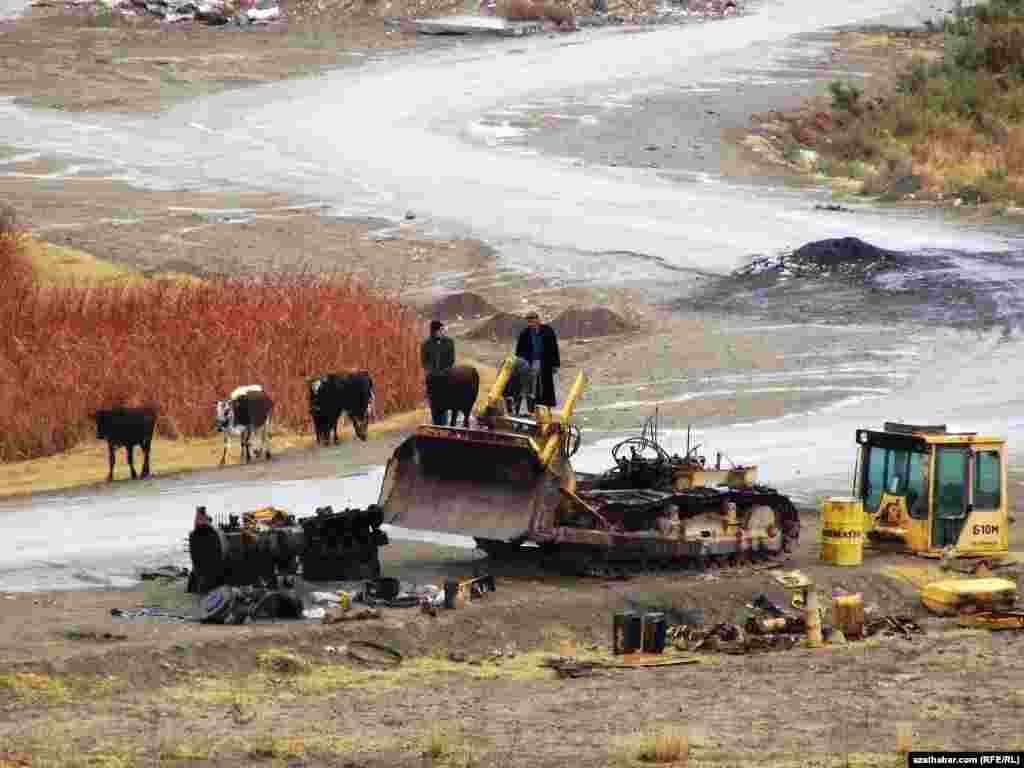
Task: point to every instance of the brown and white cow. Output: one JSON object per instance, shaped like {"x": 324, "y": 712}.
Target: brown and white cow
{"x": 247, "y": 410}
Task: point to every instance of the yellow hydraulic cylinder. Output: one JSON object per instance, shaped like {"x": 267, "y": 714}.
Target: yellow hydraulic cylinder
{"x": 505, "y": 372}
{"x": 574, "y": 394}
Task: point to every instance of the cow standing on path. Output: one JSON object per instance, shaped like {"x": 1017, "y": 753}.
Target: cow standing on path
{"x": 332, "y": 395}
{"x": 247, "y": 410}
{"x": 127, "y": 427}
{"x": 453, "y": 390}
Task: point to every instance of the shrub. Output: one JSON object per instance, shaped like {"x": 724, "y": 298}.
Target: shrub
{"x": 844, "y": 95}
{"x": 855, "y": 169}
{"x": 67, "y": 351}
{"x": 791, "y": 152}
{"x": 913, "y": 81}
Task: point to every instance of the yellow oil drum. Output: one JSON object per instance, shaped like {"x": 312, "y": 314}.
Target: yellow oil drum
{"x": 842, "y": 530}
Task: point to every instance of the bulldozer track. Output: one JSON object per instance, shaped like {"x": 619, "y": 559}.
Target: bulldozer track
{"x": 626, "y": 559}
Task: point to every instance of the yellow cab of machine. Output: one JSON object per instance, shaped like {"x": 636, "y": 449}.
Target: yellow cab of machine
{"x": 926, "y": 490}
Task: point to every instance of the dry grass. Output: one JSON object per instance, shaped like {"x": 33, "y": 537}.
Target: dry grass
{"x": 947, "y": 128}
{"x": 91, "y": 743}
{"x": 904, "y": 738}
{"x": 446, "y": 744}
{"x": 87, "y": 464}
{"x": 278, "y": 661}
{"x": 664, "y": 744}
{"x": 182, "y": 346}
{"x": 288, "y": 677}
{"x": 60, "y": 266}
{"x": 42, "y": 689}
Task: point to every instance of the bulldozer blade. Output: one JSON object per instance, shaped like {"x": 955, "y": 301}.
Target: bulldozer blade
{"x": 478, "y": 483}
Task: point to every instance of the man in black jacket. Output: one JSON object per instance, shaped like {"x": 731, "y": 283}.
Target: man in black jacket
{"x": 437, "y": 354}
{"x": 538, "y": 344}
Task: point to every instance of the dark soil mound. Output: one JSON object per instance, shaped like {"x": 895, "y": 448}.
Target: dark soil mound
{"x": 592, "y": 323}
{"x": 501, "y": 326}
{"x": 847, "y": 257}
{"x": 460, "y": 305}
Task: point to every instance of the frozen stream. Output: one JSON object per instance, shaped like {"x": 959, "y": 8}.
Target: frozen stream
{"x": 398, "y": 134}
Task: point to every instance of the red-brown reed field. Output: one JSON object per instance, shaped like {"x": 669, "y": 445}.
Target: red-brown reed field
{"x": 66, "y": 351}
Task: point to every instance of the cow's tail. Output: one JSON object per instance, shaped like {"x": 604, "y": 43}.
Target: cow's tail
{"x": 371, "y": 407}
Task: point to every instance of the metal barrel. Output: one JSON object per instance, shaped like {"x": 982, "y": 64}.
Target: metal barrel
{"x": 842, "y": 530}
{"x": 654, "y": 630}
{"x": 619, "y": 630}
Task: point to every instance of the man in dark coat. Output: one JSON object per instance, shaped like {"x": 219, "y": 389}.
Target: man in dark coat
{"x": 437, "y": 354}
{"x": 538, "y": 344}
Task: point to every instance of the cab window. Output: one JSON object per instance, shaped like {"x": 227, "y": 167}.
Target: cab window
{"x": 988, "y": 480}
{"x": 896, "y": 471}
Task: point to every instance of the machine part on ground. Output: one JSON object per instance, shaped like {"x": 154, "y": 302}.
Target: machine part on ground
{"x": 236, "y": 605}
{"x": 950, "y": 597}
{"x": 930, "y": 492}
{"x": 509, "y": 480}
{"x": 268, "y": 546}
{"x": 993, "y": 620}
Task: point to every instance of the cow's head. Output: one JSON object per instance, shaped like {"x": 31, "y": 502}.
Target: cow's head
{"x": 225, "y": 415}
{"x": 315, "y": 385}
{"x": 101, "y": 418}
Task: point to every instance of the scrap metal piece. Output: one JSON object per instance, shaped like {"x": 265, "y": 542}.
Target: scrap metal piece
{"x": 993, "y": 620}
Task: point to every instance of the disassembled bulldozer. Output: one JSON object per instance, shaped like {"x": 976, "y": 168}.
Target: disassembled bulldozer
{"x": 510, "y": 481}
{"x": 269, "y": 544}
{"x": 933, "y": 492}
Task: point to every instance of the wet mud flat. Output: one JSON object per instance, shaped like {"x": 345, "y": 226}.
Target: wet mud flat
{"x": 472, "y": 680}
{"x": 846, "y": 281}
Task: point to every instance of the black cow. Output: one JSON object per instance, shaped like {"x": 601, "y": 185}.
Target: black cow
{"x": 127, "y": 427}
{"x": 453, "y": 390}
{"x": 247, "y": 410}
{"x": 521, "y": 383}
{"x": 334, "y": 394}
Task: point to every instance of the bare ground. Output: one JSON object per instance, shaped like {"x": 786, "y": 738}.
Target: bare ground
{"x": 188, "y": 694}
{"x": 77, "y": 62}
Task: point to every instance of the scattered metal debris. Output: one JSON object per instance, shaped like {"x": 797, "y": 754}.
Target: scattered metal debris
{"x": 236, "y": 605}
{"x": 569, "y": 667}
{"x": 336, "y": 615}
{"x": 171, "y": 572}
{"x": 369, "y": 652}
{"x": 892, "y": 626}
{"x": 76, "y": 633}
{"x": 993, "y": 620}
{"x": 149, "y": 613}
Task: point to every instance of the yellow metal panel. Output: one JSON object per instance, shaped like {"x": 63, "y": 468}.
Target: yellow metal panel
{"x": 979, "y": 441}
{"x": 950, "y": 595}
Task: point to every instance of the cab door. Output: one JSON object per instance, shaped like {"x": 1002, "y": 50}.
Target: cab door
{"x": 951, "y": 495}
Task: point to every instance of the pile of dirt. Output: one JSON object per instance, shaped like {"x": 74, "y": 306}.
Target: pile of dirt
{"x": 458, "y": 306}
{"x": 501, "y": 326}
{"x": 846, "y": 257}
{"x": 577, "y": 322}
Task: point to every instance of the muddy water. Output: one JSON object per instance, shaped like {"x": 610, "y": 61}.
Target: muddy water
{"x": 475, "y": 141}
